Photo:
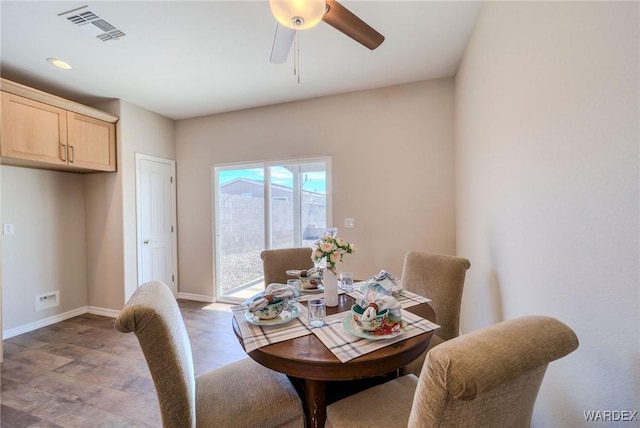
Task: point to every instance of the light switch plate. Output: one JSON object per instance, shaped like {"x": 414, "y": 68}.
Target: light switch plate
{"x": 8, "y": 229}
{"x": 349, "y": 223}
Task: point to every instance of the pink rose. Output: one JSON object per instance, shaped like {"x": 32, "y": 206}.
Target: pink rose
{"x": 326, "y": 247}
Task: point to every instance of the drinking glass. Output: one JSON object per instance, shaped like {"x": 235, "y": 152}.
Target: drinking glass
{"x": 346, "y": 281}
{"x": 294, "y": 283}
{"x": 317, "y": 312}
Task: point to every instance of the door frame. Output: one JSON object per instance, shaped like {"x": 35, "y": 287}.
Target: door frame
{"x": 139, "y": 157}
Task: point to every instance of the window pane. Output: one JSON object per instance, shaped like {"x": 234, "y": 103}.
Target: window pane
{"x": 314, "y": 202}
{"x": 283, "y": 211}
{"x": 240, "y": 210}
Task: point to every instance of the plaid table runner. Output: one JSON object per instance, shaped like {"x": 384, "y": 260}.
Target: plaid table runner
{"x": 346, "y": 346}
{"x": 256, "y": 336}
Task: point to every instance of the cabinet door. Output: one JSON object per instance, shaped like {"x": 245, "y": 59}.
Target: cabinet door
{"x": 92, "y": 143}
{"x": 32, "y": 130}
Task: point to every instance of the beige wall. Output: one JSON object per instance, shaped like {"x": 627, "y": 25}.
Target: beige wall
{"x": 392, "y": 165}
{"x": 47, "y": 209}
{"x": 144, "y": 132}
{"x": 105, "y": 239}
{"x": 111, "y": 204}
{"x": 80, "y": 230}
{"x": 105, "y": 261}
{"x": 547, "y": 189}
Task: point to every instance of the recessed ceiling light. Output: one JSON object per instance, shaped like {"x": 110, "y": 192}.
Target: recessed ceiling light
{"x": 59, "y": 63}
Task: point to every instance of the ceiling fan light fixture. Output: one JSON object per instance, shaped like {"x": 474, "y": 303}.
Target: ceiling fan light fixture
{"x": 298, "y": 14}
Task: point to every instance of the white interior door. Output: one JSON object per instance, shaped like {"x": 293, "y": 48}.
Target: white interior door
{"x": 156, "y": 208}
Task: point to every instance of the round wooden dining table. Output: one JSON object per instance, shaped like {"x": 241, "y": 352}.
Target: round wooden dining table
{"x": 308, "y": 360}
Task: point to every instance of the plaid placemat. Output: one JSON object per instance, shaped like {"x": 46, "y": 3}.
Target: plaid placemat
{"x": 406, "y": 298}
{"x": 256, "y": 336}
{"x": 347, "y": 346}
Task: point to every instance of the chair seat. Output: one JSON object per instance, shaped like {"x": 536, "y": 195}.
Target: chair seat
{"x": 389, "y": 405}
{"x": 246, "y": 394}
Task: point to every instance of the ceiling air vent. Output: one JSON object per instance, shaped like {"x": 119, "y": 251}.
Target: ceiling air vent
{"x": 92, "y": 23}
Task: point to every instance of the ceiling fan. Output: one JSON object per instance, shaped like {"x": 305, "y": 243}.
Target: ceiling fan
{"x": 295, "y": 15}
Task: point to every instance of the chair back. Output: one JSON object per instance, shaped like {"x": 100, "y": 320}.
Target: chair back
{"x": 490, "y": 377}
{"x": 441, "y": 278}
{"x": 153, "y": 315}
{"x": 275, "y": 263}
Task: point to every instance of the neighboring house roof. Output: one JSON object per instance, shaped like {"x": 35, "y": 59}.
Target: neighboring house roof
{"x": 255, "y": 188}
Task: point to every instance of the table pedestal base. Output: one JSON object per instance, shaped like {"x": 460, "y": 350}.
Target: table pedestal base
{"x": 315, "y": 402}
{"x": 318, "y": 394}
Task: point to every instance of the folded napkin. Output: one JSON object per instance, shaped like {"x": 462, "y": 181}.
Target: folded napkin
{"x": 310, "y": 279}
{"x": 385, "y": 281}
{"x": 313, "y": 272}
{"x": 375, "y": 299}
{"x": 273, "y": 292}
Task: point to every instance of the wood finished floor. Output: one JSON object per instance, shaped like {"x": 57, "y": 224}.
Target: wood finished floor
{"x": 83, "y": 373}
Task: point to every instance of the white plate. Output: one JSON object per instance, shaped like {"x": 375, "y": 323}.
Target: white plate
{"x": 284, "y": 317}
{"x": 293, "y": 272}
{"x": 350, "y": 325}
{"x": 316, "y": 290}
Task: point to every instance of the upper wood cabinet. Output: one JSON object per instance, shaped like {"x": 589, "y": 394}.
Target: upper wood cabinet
{"x": 91, "y": 143}
{"x": 38, "y": 134}
{"x": 33, "y": 130}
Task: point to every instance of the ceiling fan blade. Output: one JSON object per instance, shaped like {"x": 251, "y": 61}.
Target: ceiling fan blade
{"x": 282, "y": 42}
{"x": 340, "y": 18}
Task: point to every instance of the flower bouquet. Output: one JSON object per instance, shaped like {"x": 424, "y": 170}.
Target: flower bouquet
{"x": 330, "y": 250}
{"x": 327, "y": 251}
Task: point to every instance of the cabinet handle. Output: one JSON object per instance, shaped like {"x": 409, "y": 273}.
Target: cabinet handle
{"x": 63, "y": 152}
{"x": 72, "y": 157}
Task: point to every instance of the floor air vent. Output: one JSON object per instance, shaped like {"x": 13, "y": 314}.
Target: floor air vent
{"x": 91, "y": 22}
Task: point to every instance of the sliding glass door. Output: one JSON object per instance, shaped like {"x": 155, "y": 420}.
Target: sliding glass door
{"x": 260, "y": 206}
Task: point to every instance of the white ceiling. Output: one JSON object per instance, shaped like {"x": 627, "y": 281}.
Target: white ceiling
{"x": 188, "y": 59}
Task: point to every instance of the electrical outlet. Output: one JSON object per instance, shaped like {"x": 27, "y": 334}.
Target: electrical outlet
{"x": 8, "y": 229}
{"x": 349, "y": 223}
{"x": 47, "y": 300}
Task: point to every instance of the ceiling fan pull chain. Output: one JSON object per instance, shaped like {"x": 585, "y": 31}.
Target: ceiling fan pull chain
{"x": 296, "y": 52}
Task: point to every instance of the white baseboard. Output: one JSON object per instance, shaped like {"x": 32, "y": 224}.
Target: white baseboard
{"x": 112, "y": 313}
{"x": 43, "y": 322}
{"x": 6, "y": 334}
{"x": 196, "y": 297}
{"x": 95, "y": 310}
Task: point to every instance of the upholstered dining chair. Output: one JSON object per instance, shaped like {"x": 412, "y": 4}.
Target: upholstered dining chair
{"x": 441, "y": 278}
{"x": 240, "y": 394}
{"x": 275, "y": 263}
{"x": 488, "y": 378}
